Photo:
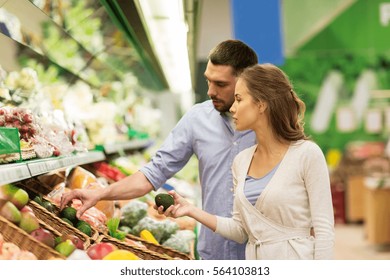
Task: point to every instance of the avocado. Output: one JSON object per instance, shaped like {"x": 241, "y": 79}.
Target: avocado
{"x": 69, "y": 213}
{"x": 48, "y": 205}
{"x": 164, "y": 199}
{"x": 85, "y": 228}
{"x": 67, "y": 221}
{"x": 38, "y": 200}
{"x": 81, "y": 222}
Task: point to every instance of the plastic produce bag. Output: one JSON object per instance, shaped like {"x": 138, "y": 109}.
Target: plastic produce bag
{"x": 133, "y": 212}
{"x": 181, "y": 241}
{"x": 170, "y": 227}
{"x": 155, "y": 227}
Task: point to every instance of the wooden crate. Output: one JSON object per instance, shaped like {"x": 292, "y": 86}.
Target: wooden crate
{"x": 377, "y": 221}
{"x": 354, "y": 199}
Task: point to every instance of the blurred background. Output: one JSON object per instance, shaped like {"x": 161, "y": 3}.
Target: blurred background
{"x": 141, "y": 62}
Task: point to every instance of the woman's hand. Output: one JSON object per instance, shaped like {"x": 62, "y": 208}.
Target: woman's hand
{"x": 181, "y": 207}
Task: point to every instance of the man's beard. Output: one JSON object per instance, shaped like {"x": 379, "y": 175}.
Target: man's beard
{"x": 221, "y": 106}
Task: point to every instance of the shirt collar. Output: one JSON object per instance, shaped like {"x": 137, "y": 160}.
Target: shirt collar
{"x": 228, "y": 116}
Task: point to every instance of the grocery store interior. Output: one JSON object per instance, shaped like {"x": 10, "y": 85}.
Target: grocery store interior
{"x": 89, "y": 90}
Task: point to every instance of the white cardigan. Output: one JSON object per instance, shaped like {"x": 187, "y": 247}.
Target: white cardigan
{"x": 297, "y": 198}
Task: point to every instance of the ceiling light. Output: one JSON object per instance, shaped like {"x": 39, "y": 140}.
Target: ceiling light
{"x": 167, "y": 30}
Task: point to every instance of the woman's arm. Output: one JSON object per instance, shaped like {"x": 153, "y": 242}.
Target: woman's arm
{"x": 320, "y": 199}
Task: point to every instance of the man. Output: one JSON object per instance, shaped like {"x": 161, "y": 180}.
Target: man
{"x": 206, "y": 131}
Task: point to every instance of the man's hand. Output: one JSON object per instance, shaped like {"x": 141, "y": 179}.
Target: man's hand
{"x": 87, "y": 197}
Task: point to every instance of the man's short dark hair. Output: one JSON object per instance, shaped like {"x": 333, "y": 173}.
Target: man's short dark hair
{"x": 234, "y": 53}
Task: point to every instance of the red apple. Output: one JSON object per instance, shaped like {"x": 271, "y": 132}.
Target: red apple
{"x": 99, "y": 250}
{"x": 44, "y": 236}
{"x": 27, "y": 208}
{"x": 75, "y": 240}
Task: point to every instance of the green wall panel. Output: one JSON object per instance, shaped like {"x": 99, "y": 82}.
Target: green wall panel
{"x": 358, "y": 29}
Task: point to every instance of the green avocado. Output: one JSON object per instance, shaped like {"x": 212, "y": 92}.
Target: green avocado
{"x": 69, "y": 213}
{"x": 85, "y": 228}
{"x": 164, "y": 199}
{"x": 67, "y": 221}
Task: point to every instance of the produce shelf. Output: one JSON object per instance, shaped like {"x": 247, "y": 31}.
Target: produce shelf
{"x": 41, "y": 166}
{"x": 125, "y": 146}
{"x": 13, "y": 172}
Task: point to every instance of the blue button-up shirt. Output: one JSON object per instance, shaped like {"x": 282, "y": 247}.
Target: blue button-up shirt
{"x": 208, "y": 134}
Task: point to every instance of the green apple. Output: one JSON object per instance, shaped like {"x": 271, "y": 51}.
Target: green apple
{"x": 17, "y": 196}
{"x": 9, "y": 211}
{"x": 65, "y": 248}
{"x": 29, "y": 222}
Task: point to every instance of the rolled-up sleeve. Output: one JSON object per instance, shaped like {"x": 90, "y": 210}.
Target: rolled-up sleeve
{"x": 172, "y": 155}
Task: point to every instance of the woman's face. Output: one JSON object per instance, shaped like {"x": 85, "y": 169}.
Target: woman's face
{"x": 245, "y": 111}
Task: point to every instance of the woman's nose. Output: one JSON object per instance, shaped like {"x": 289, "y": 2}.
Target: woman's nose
{"x": 232, "y": 110}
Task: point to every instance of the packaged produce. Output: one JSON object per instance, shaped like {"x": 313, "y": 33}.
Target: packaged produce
{"x": 133, "y": 212}
{"x": 181, "y": 241}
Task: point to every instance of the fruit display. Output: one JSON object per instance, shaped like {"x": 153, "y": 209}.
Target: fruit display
{"x": 133, "y": 230}
{"x": 68, "y": 245}
{"x": 65, "y": 221}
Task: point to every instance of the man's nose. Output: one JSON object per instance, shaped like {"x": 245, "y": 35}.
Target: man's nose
{"x": 211, "y": 92}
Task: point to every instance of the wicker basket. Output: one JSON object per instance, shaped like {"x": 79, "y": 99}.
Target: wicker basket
{"x": 163, "y": 250}
{"x": 23, "y": 240}
{"x": 60, "y": 225}
{"x": 36, "y": 186}
{"x": 143, "y": 254}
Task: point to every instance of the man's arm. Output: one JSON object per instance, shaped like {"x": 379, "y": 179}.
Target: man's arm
{"x": 130, "y": 187}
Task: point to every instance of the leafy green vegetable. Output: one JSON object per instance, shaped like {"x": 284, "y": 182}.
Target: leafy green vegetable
{"x": 112, "y": 225}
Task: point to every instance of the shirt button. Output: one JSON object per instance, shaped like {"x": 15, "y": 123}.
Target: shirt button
{"x": 235, "y": 143}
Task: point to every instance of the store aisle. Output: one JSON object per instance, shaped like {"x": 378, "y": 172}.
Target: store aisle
{"x": 351, "y": 244}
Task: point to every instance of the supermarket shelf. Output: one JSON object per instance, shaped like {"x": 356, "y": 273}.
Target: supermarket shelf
{"x": 126, "y": 146}
{"x": 13, "y": 172}
{"x": 10, "y": 173}
{"x": 41, "y": 166}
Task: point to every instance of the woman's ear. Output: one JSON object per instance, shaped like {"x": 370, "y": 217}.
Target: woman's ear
{"x": 262, "y": 106}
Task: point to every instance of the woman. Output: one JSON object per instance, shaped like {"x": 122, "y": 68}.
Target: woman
{"x": 282, "y": 204}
